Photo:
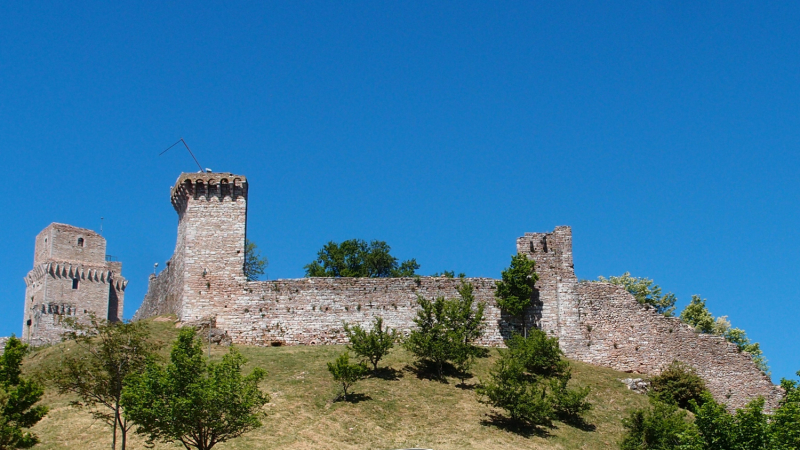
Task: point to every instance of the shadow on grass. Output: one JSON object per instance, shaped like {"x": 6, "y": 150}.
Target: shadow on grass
{"x": 352, "y": 398}
{"x": 426, "y": 370}
{"x": 579, "y": 423}
{"x": 388, "y": 373}
{"x": 513, "y": 426}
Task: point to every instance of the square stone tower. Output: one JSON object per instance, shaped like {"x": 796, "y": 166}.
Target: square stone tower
{"x": 206, "y": 271}
{"x": 72, "y": 277}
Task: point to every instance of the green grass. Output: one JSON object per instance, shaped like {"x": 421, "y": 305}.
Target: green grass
{"x": 408, "y": 411}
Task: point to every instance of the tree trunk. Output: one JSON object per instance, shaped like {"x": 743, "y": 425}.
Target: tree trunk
{"x": 116, "y": 418}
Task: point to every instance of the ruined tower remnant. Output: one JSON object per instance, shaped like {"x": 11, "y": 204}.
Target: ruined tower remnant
{"x": 72, "y": 277}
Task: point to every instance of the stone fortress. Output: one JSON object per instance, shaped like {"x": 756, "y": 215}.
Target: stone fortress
{"x": 204, "y": 283}
{"x": 71, "y": 277}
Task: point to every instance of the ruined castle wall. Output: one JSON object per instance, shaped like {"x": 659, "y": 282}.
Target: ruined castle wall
{"x": 620, "y": 333}
{"x": 312, "y": 310}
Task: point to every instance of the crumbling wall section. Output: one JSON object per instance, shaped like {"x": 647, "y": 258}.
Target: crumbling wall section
{"x": 312, "y": 310}
{"x": 618, "y": 332}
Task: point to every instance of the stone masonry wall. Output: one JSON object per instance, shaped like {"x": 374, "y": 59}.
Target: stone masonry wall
{"x": 620, "y": 333}
{"x": 312, "y": 310}
{"x": 595, "y": 322}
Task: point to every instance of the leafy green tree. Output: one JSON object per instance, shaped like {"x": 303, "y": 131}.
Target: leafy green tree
{"x": 18, "y": 397}
{"x": 538, "y": 354}
{"x": 96, "y": 366}
{"x": 510, "y": 389}
{"x": 661, "y": 426}
{"x": 529, "y": 381}
{"x": 678, "y": 384}
{"x": 697, "y": 315}
{"x": 646, "y": 292}
{"x": 785, "y": 426}
{"x": 346, "y": 373}
{"x": 372, "y": 345}
{"x": 356, "y": 258}
{"x": 515, "y": 290}
{"x": 254, "y": 263}
{"x": 446, "y": 329}
{"x": 193, "y": 401}
{"x": 449, "y": 274}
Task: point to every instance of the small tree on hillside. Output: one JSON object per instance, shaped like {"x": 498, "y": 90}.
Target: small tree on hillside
{"x": 446, "y": 330}
{"x": 190, "y": 400}
{"x": 372, "y": 345}
{"x": 646, "y": 292}
{"x": 515, "y": 290}
{"x": 678, "y": 384}
{"x": 345, "y": 373}
{"x": 17, "y": 399}
{"x": 95, "y": 368}
{"x": 254, "y": 263}
{"x": 785, "y": 425}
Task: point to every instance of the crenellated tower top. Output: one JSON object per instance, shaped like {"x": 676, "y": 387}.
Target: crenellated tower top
{"x": 209, "y": 185}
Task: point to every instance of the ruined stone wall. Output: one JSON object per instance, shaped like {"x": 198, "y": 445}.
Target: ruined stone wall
{"x": 312, "y": 310}
{"x": 620, "y": 333}
{"x": 62, "y": 285}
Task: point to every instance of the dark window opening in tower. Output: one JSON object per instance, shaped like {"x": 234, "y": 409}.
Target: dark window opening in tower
{"x": 75, "y": 283}
{"x": 80, "y": 242}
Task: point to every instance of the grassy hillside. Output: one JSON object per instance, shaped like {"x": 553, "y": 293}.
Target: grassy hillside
{"x": 402, "y": 410}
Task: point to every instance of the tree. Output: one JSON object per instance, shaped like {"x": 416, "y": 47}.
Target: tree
{"x": 646, "y": 292}
{"x": 372, "y": 345}
{"x": 345, "y": 373}
{"x": 356, "y": 258}
{"x": 96, "y": 367}
{"x": 785, "y": 425}
{"x": 662, "y": 426}
{"x": 697, "y": 315}
{"x": 254, "y": 263}
{"x": 446, "y": 329}
{"x": 678, "y": 384}
{"x": 193, "y": 401}
{"x": 529, "y": 381}
{"x": 17, "y": 399}
{"x": 515, "y": 290}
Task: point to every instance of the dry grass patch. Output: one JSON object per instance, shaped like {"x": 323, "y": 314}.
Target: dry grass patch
{"x": 399, "y": 410}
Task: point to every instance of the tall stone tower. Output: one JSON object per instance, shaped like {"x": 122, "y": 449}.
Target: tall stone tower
{"x": 72, "y": 277}
{"x": 206, "y": 270}
{"x": 555, "y": 308}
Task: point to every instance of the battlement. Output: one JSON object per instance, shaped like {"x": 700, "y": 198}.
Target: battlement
{"x": 207, "y": 186}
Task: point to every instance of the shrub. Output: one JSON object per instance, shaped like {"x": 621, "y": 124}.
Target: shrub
{"x": 372, "y": 345}
{"x": 514, "y": 292}
{"x": 345, "y": 373}
{"x": 538, "y": 354}
{"x": 678, "y": 384}
{"x": 662, "y": 426}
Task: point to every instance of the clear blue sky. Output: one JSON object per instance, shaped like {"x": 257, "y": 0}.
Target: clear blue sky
{"x": 665, "y": 134}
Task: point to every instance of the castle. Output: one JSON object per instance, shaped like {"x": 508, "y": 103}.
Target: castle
{"x": 71, "y": 277}
{"x": 204, "y": 282}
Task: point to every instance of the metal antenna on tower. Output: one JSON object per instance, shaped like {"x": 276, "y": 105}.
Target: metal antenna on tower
{"x": 187, "y": 148}
{"x": 101, "y": 225}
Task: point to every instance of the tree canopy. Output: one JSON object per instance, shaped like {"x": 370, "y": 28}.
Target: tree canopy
{"x": 646, "y": 292}
{"x": 96, "y": 368}
{"x": 254, "y": 263}
{"x": 17, "y": 399}
{"x": 192, "y": 401}
{"x": 357, "y": 258}
{"x": 515, "y": 290}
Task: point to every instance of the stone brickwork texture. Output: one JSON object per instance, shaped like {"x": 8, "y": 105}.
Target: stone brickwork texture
{"x": 597, "y": 323}
{"x": 70, "y": 278}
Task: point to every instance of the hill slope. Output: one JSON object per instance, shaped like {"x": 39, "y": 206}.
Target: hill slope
{"x": 400, "y": 411}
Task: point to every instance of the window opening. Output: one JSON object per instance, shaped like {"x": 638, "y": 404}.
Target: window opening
{"x": 75, "y": 283}
{"x": 80, "y": 242}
